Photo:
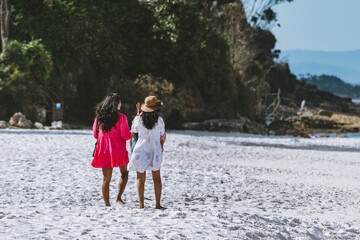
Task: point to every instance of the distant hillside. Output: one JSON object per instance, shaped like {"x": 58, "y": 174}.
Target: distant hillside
{"x": 333, "y": 84}
{"x": 345, "y": 65}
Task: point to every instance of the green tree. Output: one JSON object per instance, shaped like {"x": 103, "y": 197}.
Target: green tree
{"x": 207, "y": 50}
{"x": 25, "y": 69}
{"x": 260, "y": 13}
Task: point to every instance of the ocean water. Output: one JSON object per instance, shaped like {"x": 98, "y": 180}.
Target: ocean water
{"x": 335, "y": 135}
{"x": 356, "y": 100}
{"x": 353, "y": 135}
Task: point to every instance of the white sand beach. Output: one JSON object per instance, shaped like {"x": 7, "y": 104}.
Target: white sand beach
{"x": 215, "y": 186}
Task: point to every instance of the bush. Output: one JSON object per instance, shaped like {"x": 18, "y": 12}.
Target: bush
{"x": 25, "y": 69}
{"x": 165, "y": 91}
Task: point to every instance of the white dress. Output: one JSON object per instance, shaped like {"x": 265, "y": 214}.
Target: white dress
{"x": 147, "y": 154}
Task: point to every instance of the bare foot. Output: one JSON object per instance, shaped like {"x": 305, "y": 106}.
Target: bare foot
{"x": 160, "y": 207}
{"x": 120, "y": 201}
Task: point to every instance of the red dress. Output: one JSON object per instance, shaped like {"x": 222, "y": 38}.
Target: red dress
{"x": 111, "y": 150}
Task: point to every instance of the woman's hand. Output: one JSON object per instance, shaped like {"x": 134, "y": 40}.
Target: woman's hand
{"x": 138, "y": 111}
{"x": 138, "y": 108}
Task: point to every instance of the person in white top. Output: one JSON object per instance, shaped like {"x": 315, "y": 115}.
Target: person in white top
{"x": 148, "y": 151}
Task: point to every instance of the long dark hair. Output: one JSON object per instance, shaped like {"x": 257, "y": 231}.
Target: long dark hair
{"x": 149, "y": 119}
{"x": 107, "y": 113}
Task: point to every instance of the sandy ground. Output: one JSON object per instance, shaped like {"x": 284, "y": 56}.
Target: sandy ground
{"x": 215, "y": 186}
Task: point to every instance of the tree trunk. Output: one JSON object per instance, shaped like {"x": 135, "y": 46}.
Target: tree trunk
{"x": 5, "y": 18}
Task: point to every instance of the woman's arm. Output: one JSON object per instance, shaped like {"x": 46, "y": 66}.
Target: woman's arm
{"x": 162, "y": 127}
{"x": 162, "y": 133}
{"x": 162, "y": 141}
{"x": 124, "y": 128}
{"x": 95, "y": 130}
{"x": 135, "y": 125}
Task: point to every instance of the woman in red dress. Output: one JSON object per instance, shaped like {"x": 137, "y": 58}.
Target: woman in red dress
{"x": 111, "y": 129}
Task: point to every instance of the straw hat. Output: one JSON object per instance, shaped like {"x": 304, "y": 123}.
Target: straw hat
{"x": 151, "y": 104}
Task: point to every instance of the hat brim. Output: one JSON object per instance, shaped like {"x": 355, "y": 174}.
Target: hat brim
{"x": 151, "y": 108}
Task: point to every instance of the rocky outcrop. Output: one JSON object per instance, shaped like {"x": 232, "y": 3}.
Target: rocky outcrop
{"x": 288, "y": 127}
{"x": 255, "y": 128}
{"x": 317, "y": 99}
{"x": 325, "y": 113}
{"x": 19, "y": 120}
{"x": 216, "y": 125}
{"x": 242, "y": 124}
{"x": 39, "y": 125}
{"x": 57, "y": 125}
{"x": 321, "y": 121}
{"x": 3, "y": 124}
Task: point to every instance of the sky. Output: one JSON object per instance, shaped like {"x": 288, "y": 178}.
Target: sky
{"x": 326, "y": 25}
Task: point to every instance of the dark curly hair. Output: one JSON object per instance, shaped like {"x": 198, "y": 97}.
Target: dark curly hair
{"x": 107, "y": 113}
{"x": 149, "y": 119}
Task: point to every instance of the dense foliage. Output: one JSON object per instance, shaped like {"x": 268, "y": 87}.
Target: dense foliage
{"x": 183, "y": 51}
{"x": 25, "y": 70}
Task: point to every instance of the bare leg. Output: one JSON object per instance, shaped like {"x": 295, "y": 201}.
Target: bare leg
{"x": 122, "y": 183}
{"x": 157, "y": 187}
{"x": 141, "y": 186}
{"x": 107, "y": 172}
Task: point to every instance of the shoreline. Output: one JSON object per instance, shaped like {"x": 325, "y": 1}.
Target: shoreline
{"x": 319, "y": 133}
{"x": 297, "y": 123}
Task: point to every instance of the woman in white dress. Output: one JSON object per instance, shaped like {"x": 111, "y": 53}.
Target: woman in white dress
{"x": 148, "y": 151}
